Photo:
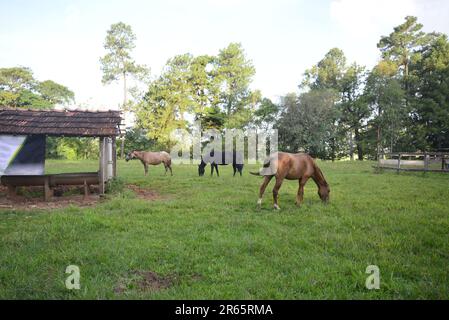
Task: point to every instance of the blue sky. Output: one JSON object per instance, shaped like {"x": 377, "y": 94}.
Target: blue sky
{"x": 63, "y": 40}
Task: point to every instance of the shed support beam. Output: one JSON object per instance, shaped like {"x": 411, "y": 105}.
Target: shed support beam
{"x": 114, "y": 157}
{"x": 102, "y": 165}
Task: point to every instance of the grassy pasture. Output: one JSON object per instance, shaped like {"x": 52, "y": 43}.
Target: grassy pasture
{"x": 208, "y": 238}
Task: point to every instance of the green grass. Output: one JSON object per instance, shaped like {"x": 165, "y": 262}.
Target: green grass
{"x": 207, "y": 235}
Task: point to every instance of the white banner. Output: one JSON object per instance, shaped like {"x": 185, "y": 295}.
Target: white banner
{"x": 9, "y": 147}
{"x": 22, "y": 155}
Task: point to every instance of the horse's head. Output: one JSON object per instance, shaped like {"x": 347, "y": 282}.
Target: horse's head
{"x": 201, "y": 169}
{"x": 131, "y": 155}
{"x": 323, "y": 192}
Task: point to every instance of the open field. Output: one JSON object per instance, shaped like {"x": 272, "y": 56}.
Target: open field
{"x": 206, "y": 239}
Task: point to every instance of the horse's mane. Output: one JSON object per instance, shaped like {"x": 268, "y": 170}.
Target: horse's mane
{"x": 319, "y": 174}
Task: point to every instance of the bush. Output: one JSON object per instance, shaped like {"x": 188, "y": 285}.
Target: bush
{"x": 116, "y": 185}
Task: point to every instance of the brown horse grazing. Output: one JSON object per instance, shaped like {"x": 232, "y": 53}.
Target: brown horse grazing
{"x": 290, "y": 166}
{"x": 153, "y": 158}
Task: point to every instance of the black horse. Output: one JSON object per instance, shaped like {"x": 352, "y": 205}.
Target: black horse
{"x": 222, "y": 159}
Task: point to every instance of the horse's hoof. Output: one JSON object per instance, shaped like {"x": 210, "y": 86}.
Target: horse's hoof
{"x": 276, "y": 207}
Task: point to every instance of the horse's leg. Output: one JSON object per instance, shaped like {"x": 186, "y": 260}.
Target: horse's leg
{"x": 169, "y": 167}
{"x": 276, "y": 188}
{"x": 216, "y": 169}
{"x": 211, "y": 169}
{"x": 240, "y": 170}
{"x": 235, "y": 169}
{"x": 145, "y": 167}
{"x": 165, "y": 169}
{"x": 300, "y": 195}
{"x": 264, "y": 185}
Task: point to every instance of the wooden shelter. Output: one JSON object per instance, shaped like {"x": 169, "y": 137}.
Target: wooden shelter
{"x": 104, "y": 125}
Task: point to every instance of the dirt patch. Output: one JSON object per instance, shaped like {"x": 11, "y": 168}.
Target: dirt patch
{"x": 30, "y": 198}
{"x": 144, "y": 281}
{"x": 143, "y": 193}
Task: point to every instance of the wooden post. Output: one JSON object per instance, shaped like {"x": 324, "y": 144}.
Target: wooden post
{"x": 399, "y": 163}
{"x": 102, "y": 167}
{"x": 86, "y": 190}
{"x": 12, "y": 191}
{"x": 426, "y": 162}
{"x": 378, "y": 162}
{"x": 47, "y": 191}
{"x": 114, "y": 158}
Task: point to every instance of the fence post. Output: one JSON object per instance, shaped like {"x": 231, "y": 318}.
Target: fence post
{"x": 378, "y": 162}
{"x": 399, "y": 163}
{"x": 426, "y": 161}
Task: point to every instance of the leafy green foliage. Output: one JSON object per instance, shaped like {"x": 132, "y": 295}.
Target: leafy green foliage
{"x": 307, "y": 123}
{"x": 211, "y": 89}
{"x": 72, "y": 148}
{"x": 333, "y": 73}
{"x": 430, "y": 108}
{"x": 19, "y": 89}
{"x": 55, "y": 93}
{"x": 137, "y": 139}
{"x": 400, "y": 105}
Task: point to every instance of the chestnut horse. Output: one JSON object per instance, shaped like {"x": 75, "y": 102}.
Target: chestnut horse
{"x": 290, "y": 166}
{"x": 153, "y": 158}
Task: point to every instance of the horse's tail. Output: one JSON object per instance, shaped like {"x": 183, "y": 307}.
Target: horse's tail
{"x": 263, "y": 172}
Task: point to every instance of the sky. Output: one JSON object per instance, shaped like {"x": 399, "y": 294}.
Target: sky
{"x": 63, "y": 40}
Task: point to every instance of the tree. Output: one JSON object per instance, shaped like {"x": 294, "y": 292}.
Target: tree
{"x": 167, "y": 101}
{"x": 403, "y": 45}
{"x": 430, "y": 108}
{"x": 266, "y": 114}
{"x": 234, "y": 73}
{"x": 384, "y": 95}
{"x": 54, "y": 92}
{"x": 333, "y": 73}
{"x": 19, "y": 89}
{"x": 354, "y": 109}
{"x": 136, "y": 139}
{"x": 307, "y": 123}
{"x": 211, "y": 89}
{"x": 327, "y": 73}
{"x": 118, "y": 63}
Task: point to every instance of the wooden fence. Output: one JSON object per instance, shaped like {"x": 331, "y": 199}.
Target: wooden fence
{"x": 414, "y": 161}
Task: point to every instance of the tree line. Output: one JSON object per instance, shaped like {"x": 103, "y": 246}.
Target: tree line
{"x": 341, "y": 109}
{"x": 402, "y": 104}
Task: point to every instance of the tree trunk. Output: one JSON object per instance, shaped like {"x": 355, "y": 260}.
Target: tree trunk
{"x": 379, "y": 142}
{"x": 351, "y": 146}
{"x": 358, "y": 144}
{"x": 122, "y": 140}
